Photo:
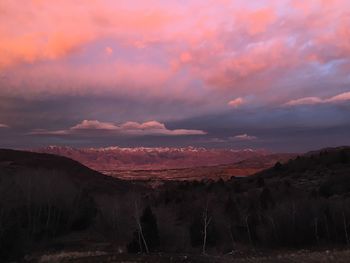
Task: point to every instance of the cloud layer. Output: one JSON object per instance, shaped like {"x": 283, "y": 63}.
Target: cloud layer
{"x": 97, "y": 128}
{"x": 228, "y": 49}
{"x": 216, "y": 66}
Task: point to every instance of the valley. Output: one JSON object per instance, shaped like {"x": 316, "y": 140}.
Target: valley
{"x": 159, "y": 164}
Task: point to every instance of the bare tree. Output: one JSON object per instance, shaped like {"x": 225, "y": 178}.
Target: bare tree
{"x": 115, "y": 218}
{"x": 346, "y": 229}
{"x": 272, "y": 220}
{"x": 232, "y": 238}
{"x": 206, "y": 223}
{"x": 316, "y": 230}
{"x": 327, "y": 228}
{"x": 248, "y": 230}
{"x": 139, "y": 225}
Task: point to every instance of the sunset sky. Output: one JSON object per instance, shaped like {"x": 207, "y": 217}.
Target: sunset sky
{"x": 270, "y": 74}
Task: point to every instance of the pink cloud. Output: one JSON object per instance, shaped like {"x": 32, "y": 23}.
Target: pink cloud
{"x": 217, "y": 48}
{"x": 109, "y": 50}
{"x": 94, "y": 127}
{"x": 185, "y": 57}
{"x": 343, "y": 97}
{"x": 235, "y": 103}
{"x": 113, "y": 78}
{"x": 4, "y": 125}
{"x": 243, "y": 137}
{"x": 304, "y": 101}
{"x": 48, "y": 31}
{"x": 339, "y": 98}
{"x": 257, "y": 21}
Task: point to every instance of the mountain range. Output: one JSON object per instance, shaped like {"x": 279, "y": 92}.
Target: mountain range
{"x": 188, "y": 163}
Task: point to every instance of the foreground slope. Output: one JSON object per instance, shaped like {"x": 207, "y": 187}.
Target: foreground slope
{"x": 304, "y": 203}
{"x": 13, "y": 162}
{"x": 44, "y": 196}
{"x": 294, "y": 212}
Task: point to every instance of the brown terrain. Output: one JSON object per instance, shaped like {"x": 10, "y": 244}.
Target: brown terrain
{"x": 141, "y": 158}
{"x": 301, "y": 256}
{"x": 171, "y": 163}
{"x": 226, "y": 171}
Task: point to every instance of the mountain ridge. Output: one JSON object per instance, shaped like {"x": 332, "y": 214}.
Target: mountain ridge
{"x": 144, "y": 158}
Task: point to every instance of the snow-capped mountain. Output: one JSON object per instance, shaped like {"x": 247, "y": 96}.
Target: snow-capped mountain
{"x": 143, "y": 158}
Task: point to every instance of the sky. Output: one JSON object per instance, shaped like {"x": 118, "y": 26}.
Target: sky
{"x": 271, "y": 74}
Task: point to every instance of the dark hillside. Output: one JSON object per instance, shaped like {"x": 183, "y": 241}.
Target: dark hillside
{"x": 326, "y": 172}
{"x": 49, "y": 202}
{"x": 43, "y": 197}
{"x": 302, "y": 203}
{"x": 13, "y": 162}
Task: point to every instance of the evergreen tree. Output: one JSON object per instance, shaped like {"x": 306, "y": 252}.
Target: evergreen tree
{"x": 278, "y": 166}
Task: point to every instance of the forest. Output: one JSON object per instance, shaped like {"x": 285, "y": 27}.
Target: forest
{"x": 50, "y": 203}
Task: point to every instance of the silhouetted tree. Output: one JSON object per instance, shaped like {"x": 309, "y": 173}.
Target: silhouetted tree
{"x": 343, "y": 157}
{"x": 266, "y": 198}
{"x": 146, "y": 238}
{"x": 260, "y": 182}
{"x": 278, "y": 166}
{"x": 202, "y": 231}
{"x": 231, "y": 209}
{"x": 150, "y": 228}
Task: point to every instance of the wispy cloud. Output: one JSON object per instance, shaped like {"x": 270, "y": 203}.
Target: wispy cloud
{"x": 316, "y": 100}
{"x": 243, "y": 137}
{"x": 236, "y": 138}
{"x": 95, "y": 127}
{"x": 4, "y": 125}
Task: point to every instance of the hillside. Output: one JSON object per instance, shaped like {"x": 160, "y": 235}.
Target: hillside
{"x": 301, "y": 204}
{"x": 14, "y": 162}
{"x": 326, "y": 171}
{"x": 44, "y": 196}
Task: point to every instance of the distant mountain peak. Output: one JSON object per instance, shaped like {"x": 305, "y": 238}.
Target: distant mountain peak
{"x": 151, "y": 158}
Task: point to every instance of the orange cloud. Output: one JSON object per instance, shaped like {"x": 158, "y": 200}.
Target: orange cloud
{"x": 204, "y": 50}
{"x": 43, "y": 30}
{"x": 258, "y": 59}
{"x": 185, "y": 57}
{"x": 257, "y": 21}
{"x": 109, "y": 50}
